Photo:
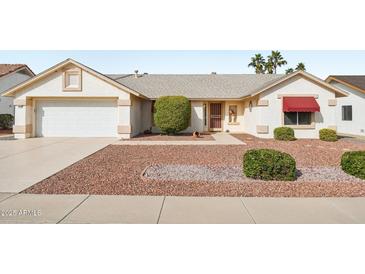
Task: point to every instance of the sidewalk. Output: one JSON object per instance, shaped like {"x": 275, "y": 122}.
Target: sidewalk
{"x": 34, "y": 208}
{"x": 221, "y": 138}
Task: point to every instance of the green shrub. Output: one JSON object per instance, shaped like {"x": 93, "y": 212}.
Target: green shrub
{"x": 6, "y": 121}
{"x": 353, "y": 163}
{"x": 172, "y": 113}
{"x": 284, "y": 134}
{"x": 328, "y": 135}
{"x": 269, "y": 164}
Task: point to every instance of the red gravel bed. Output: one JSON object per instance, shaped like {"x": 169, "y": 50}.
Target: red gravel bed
{"x": 179, "y": 137}
{"x": 117, "y": 170}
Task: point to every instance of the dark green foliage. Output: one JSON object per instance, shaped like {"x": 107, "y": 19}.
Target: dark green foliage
{"x": 172, "y": 113}
{"x": 269, "y": 164}
{"x": 6, "y": 121}
{"x": 353, "y": 163}
{"x": 328, "y": 135}
{"x": 284, "y": 134}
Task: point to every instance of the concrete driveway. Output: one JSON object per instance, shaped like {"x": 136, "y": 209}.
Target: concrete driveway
{"x": 28, "y": 161}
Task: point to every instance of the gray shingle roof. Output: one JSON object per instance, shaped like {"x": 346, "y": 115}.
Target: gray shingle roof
{"x": 197, "y": 86}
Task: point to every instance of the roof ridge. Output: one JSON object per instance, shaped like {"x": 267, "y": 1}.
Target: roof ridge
{"x": 198, "y": 74}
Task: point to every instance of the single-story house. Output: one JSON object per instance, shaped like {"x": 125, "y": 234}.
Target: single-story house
{"x": 10, "y": 76}
{"x": 350, "y": 110}
{"x": 71, "y": 99}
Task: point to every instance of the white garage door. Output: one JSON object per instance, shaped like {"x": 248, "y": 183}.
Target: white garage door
{"x": 77, "y": 118}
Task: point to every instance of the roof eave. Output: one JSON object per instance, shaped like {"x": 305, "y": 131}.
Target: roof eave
{"x": 304, "y": 74}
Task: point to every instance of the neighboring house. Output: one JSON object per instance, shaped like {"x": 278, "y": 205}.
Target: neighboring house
{"x": 70, "y": 99}
{"x": 10, "y": 76}
{"x": 350, "y": 110}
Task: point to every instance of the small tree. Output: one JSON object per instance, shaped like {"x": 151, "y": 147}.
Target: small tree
{"x": 172, "y": 113}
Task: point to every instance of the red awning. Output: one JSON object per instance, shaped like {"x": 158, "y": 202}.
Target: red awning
{"x": 300, "y": 104}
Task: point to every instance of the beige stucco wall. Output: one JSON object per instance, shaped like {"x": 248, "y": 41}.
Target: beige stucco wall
{"x": 197, "y": 123}
{"x": 356, "y": 99}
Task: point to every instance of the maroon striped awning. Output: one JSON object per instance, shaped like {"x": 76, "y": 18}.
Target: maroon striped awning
{"x": 300, "y": 104}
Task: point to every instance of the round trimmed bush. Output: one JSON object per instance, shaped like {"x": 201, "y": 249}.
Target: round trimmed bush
{"x": 328, "y": 135}
{"x": 353, "y": 163}
{"x": 6, "y": 121}
{"x": 284, "y": 134}
{"x": 269, "y": 164}
{"x": 172, "y": 113}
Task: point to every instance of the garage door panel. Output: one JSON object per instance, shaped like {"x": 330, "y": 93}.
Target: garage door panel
{"x": 76, "y": 118}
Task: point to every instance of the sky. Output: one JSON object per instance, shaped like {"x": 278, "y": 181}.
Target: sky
{"x": 320, "y": 63}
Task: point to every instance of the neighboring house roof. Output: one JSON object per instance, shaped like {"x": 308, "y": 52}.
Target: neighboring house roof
{"x": 63, "y": 64}
{"x": 356, "y": 82}
{"x": 197, "y": 86}
{"x": 6, "y": 69}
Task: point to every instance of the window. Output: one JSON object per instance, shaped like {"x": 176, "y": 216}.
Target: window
{"x": 346, "y": 113}
{"x": 297, "y": 118}
{"x": 72, "y": 80}
{"x": 205, "y": 114}
{"x": 233, "y": 114}
{"x": 153, "y": 110}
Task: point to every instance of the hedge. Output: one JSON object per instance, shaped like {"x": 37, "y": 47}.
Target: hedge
{"x": 269, "y": 164}
{"x": 6, "y": 121}
{"x": 172, "y": 113}
{"x": 353, "y": 163}
{"x": 328, "y": 135}
{"x": 284, "y": 134}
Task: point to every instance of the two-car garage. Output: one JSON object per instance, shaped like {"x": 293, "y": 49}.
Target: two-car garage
{"x": 76, "y": 118}
{"x": 72, "y": 100}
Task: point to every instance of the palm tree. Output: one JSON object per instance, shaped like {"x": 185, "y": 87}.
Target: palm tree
{"x": 300, "y": 66}
{"x": 258, "y": 63}
{"x": 269, "y": 66}
{"x": 276, "y": 59}
{"x": 289, "y": 70}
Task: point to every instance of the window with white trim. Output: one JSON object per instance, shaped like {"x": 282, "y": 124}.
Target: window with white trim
{"x": 72, "y": 80}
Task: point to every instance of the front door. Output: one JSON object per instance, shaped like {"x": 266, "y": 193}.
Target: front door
{"x": 215, "y": 117}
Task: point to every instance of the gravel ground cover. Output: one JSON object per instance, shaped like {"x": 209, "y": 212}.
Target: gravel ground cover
{"x": 307, "y": 152}
{"x": 117, "y": 169}
{"x": 179, "y": 137}
{"x": 218, "y": 174}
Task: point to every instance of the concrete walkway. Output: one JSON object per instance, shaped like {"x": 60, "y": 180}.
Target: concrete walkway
{"x": 25, "y": 162}
{"x": 33, "y": 208}
{"x": 220, "y": 138}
